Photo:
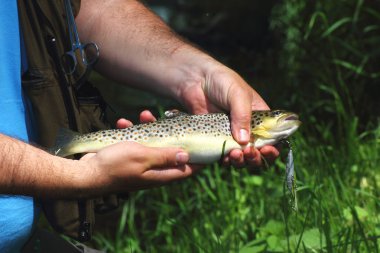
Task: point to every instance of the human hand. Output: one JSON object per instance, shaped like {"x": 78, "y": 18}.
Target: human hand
{"x": 170, "y": 66}
{"x": 224, "y": 89}
{"x": 129, "y": 166}
{"x": 145, "y": 117}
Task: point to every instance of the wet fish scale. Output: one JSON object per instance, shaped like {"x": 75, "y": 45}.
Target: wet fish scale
{"x": 208, "y": 124}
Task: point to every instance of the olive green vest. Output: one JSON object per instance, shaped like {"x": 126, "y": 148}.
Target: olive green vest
{"x": 58, "y": 101}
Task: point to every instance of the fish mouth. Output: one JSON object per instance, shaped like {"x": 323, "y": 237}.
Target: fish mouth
{"x": 289, "y": 120}
{"x": 289, "y": 116}
{"x": 292, "y": 117}
{"x": 287, "y": 124}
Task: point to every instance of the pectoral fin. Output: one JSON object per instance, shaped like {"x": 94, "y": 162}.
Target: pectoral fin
{"x": 261, "y": 132}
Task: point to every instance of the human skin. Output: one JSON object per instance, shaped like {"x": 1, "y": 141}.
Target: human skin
{"x": 136, "y": 48}
{"x": 26, "y": 170}
{"x": 150, "y": 56}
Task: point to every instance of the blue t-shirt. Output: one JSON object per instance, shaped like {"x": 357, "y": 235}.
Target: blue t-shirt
{"x": 17, "y": 213}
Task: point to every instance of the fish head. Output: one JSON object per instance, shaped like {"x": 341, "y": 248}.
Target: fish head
{"x": 269, "y": 127}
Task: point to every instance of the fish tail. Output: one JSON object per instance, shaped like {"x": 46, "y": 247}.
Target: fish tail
{"x": 65, "y": 139}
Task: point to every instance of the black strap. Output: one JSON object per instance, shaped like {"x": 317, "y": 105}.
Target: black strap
{"x": 65, "y": 87}
{"x": 69, "y": 102}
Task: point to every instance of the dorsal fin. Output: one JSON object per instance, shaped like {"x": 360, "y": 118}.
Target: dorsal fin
{"x": 174, "y": 113}
{"x": 65, "y": 135}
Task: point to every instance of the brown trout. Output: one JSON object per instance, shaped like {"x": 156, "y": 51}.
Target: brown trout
{"x": 205, "y": 137}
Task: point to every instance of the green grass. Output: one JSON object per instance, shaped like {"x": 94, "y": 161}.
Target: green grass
{"x": 235, "y": 210}
{"x": 232, "y": 210}
{"x": 327, "y": 72}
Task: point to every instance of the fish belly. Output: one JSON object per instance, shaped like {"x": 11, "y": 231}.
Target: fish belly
{"x": 202, "y": 149}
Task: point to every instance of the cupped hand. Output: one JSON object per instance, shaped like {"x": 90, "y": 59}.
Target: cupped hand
{"x": 224, "y": 90}
{"x": 129, "y": 166}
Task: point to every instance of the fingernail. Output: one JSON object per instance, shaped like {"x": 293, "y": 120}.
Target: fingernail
{"x": 243, "y": 135}
{"x": 182, "y": 157}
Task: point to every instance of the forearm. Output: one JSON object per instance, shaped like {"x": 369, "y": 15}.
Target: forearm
{"x": 27, "y": 170}
{"x": 137, "y": 47}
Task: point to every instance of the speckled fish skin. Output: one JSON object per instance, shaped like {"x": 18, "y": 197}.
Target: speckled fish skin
{"x": 205, "y": 137}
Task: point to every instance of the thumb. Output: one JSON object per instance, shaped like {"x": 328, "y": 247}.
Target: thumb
{"x": 167, "y": 157}
{"x": 241, "y": 111}
{"x": 242, "y": 102}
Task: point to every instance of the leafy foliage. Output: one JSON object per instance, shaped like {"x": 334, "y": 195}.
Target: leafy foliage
{"x": 330, "y": 56}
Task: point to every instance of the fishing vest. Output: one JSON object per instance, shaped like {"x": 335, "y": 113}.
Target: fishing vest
{"x": 58, "y": 101}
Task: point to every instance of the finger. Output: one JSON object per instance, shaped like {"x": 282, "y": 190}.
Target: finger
{"x": 194, "y": 99}
{"x": 253, "y": 157}
{"x": 226, "y": 161}
{"x": 249, "y": 153}
{"x": 240, "y": 103}
{"x": 123, "y": 123}
{"x": 236, "y": 158}
{"x": 211, "y": 108}
{"x": 146, "y": 117}
{"x": 241, "y": 115}
{"x": 166, "y": 157}
{"x": 270, "y": 153}
{"x": 173, "y": 173}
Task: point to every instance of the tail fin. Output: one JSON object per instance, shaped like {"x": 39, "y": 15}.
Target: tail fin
{"x": 64, "y": 139}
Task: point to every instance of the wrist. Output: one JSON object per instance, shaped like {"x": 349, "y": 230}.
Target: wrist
{"x": 190, "y": 67}
{"x": 89, "y": 179}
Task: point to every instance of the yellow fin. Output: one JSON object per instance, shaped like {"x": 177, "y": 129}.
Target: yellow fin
{"x": 262, "y": 132}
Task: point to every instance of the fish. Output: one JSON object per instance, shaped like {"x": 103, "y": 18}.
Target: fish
{"x": 206, "y": 137}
